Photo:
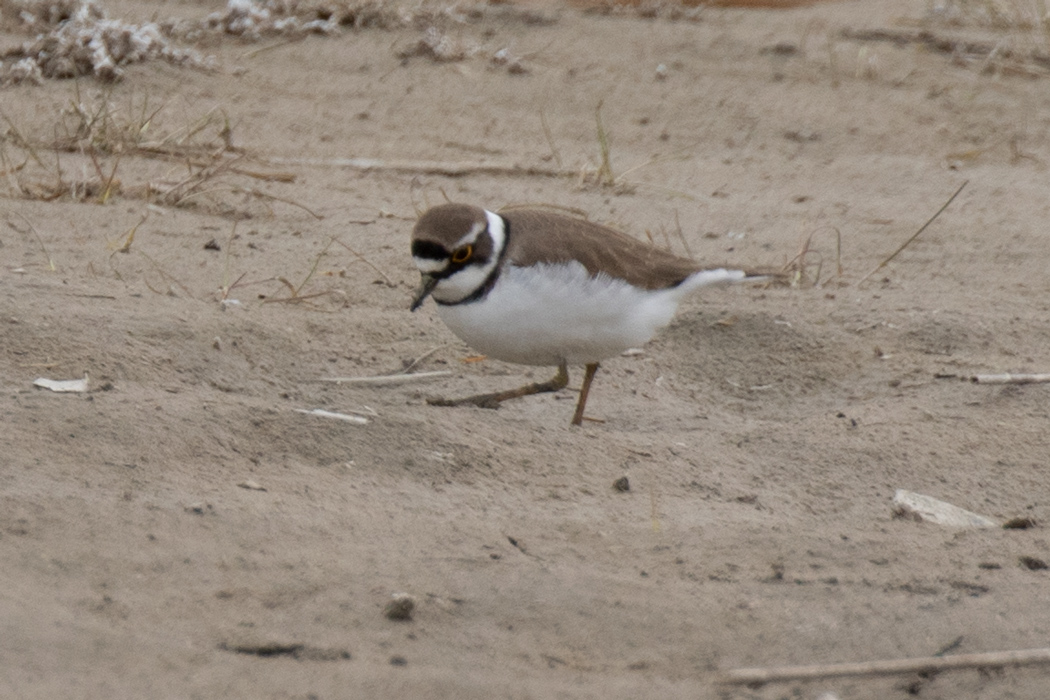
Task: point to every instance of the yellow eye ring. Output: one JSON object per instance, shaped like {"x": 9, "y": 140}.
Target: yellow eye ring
{"x": 461, "y": 255}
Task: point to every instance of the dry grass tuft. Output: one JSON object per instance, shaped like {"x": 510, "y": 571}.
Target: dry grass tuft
{"x": 602, "y": 175}
{"x": 672, "y": 10}
{"x": 254, "y": 20}
{"x": 81, "y": 41}
{"x": 34, "y": 16}
{"x": 93, "y": 140}
{"x": 1000, "y": 37}
{"x": 994, "y": 14}
{"x": 439, "y": 47}
{"x": 269, "y": 18}
{"x": 805, "y": 269}
{"x": 74, "y": 38}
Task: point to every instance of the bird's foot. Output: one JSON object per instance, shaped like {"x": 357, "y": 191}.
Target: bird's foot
{"x": 556, "y": 383}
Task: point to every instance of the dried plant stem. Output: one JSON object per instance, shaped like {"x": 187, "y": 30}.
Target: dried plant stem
{"x": 838, "y": 252}
{"x": 105, "y": 183}
{"x": 8, "y": 169}
{"x": 914, "y": 235}
{"x": 414, "y": 363}
{"x": 130, "y": 237}
{"x": 388, "y": 379}
{"x": 255, "y": 192}
{"x": 681, "y": 236}
{"x": 227, "y": 286}
{"x": 931, "y": 664}
{"x": 21, "y": 140}
{"x": 386, "y": 278}
{"x": 191, "y": 184}
{"x": 550, "y": 139}
{"x": 268, "y": 177}
{"x": 424, "y": 167}
{"x": 43, "y": 248}
{"x": 605, "y": 171}
{"x": 164, "y": 274}
{"x": 299, "y": 299}
{"x": 270, "y": 47}
{"x": 313, "y": 269}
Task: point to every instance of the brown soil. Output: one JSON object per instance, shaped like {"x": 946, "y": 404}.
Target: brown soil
{"x": 763, "y": 434}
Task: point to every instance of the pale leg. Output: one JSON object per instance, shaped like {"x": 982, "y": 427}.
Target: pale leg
{"x": 588, "y": 377}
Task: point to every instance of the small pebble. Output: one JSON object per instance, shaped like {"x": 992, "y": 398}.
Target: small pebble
{"x": 1034, "y": 563}
{"x": 400, "y": 607}
{"x": 622, "y": 484}
{"x": 1019, "y": 524}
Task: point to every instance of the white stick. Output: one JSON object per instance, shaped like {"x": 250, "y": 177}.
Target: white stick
{"x": 1010, "y": 378}
{"x": 387, "y": 379}
{"x": 993, "y": 659}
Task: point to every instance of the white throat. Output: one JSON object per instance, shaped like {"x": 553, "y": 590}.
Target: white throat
{"x": 462, "y": 284}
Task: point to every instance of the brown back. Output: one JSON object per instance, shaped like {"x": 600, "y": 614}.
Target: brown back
{"x": 557, "y": 238}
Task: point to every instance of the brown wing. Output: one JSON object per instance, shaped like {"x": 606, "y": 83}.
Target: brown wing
{"x": 556, "y": 238}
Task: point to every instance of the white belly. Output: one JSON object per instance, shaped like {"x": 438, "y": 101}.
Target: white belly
{"x": 549, "y": 314}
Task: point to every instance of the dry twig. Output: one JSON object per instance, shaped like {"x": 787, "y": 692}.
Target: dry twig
{"x": 425, "y": 167}
{"x": 43, "y": 248}
{"x": 386, "y": 278}
{"x": 891, "y": 667}
{"x": 1010, "y": 378}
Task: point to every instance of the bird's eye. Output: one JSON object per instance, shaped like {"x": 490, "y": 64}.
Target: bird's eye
{"x": 461, "y": 255}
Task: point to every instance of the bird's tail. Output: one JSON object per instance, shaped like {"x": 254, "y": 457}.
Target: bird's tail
{"x": 767, "y": 275}
{"x": 723, "y": 275}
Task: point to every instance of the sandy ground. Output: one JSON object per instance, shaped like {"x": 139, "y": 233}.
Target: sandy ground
{"x": 182, "y": 531}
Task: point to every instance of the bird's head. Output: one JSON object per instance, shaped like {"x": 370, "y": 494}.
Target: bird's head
{"x": 456, "y": 248}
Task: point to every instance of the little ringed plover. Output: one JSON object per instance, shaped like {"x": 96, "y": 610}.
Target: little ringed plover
{"x": 533, "y": 287}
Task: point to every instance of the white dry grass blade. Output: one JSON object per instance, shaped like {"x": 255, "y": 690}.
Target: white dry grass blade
{"x": 321, "y": 413}
{"x": 63, "y": 386}
{"x": 929, "y": 509}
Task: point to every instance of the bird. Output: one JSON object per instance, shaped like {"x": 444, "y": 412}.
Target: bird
{"x": 535, "y": 287}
